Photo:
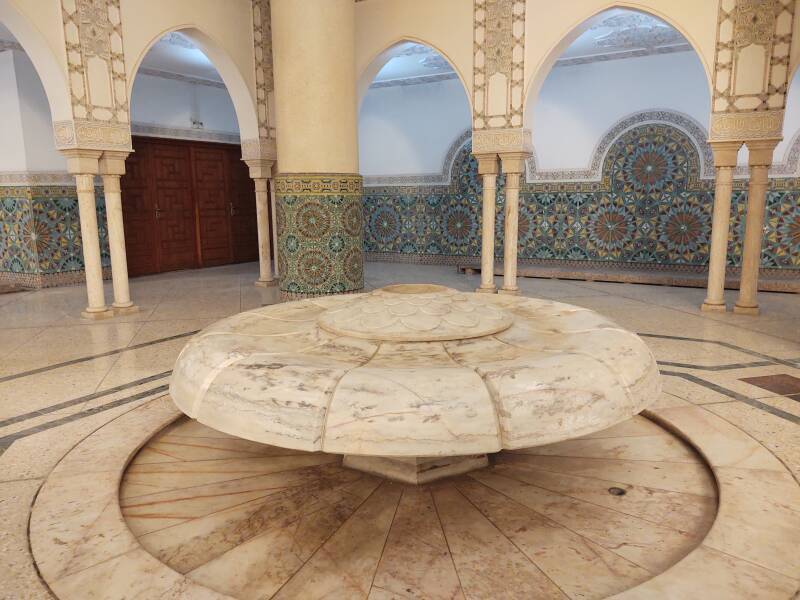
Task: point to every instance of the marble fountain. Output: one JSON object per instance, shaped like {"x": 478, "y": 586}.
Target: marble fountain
{"x": 414, "y": 382}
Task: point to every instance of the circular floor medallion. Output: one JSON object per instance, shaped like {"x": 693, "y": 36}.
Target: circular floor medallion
{"x": 256, "y": 521}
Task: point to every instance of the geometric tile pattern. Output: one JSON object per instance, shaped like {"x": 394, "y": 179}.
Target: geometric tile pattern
{"x": 320, "y": 233}
{"x": 650, "y": 207}
{"x": 40, "y": 230}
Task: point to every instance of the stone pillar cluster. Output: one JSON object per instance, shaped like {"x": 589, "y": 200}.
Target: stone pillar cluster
{"x": 84, "y": 165}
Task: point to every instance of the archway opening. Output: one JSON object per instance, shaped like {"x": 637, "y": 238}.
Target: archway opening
{"x": 189, "y": 201}
{"x": 414, "y": 145}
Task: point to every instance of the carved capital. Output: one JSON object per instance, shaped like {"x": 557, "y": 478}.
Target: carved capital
{"x": 488, "y": 164}
{"x": 260, "y": 168}
{"x": 82, "y": 162}
{"x": 741, "y": 126}
{"x": 760, "y": 152}
{"x": 514, "y": 162}
{"x": 725, "y": 153}
{"x": 259, "y": 148}
{"x": 488, "y": 141}
{"x": 113, "y": 163}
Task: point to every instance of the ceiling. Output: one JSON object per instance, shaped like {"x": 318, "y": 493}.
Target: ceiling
{"x": 176, "y": 54}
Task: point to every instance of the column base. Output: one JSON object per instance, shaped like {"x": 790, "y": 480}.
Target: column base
{"x": 125, "y": 309}
{"x": 97, "y": 315}
{"x": 746, "y": 310}
{"x": 266, "y": 282}
{"x": 706, "y": 307}
{"x": 416, "y": 470}
{"x": 509, "y": 291}
{"x": 486, "y": 290}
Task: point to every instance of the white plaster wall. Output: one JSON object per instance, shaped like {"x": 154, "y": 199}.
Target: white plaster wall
{"x": 171, "y": 103}
{"x": 27, "y": 129}
{"x": 37, "y": 125}
{"x": 12, "y": 150}
{"x": 405, "y": 130}
{"x": 579, "y": 104}
{"x": 791, "y": 119}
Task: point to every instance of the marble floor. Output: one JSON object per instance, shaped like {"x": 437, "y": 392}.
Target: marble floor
{"x": 78, "y": 399}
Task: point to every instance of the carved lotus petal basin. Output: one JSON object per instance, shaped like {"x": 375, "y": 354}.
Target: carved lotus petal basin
{"x": 412, "y": 371}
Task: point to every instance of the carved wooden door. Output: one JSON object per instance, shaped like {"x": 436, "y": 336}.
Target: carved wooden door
{"x": 171, "y": 186}
{"x": 138, "y": 211}
{"x": 213, "y": 204}
{"x": 244, "y": 229}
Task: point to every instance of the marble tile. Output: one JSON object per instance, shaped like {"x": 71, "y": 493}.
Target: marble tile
{"x": 189, "y": 545}
{"x": 489, "y": 565}
{"x": 650, "y": 546}
{"x": 722, "y": 443}
{"x": 689, "y": 513}
{"x": 759, "y": 518}
{"x": 650, "y": 448}
{"x": 260, "y": 566}
{"x": 713, "y": 575}
{"x": 345, "y": 564}
{"x": 676, "y": 477}
{"x": 578, "y": 566}
{"x": 632, "y": 427}
{"x": 416, "y": 560}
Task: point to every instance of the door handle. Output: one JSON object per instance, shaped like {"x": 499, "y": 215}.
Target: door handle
{"x": 232, "y": 209}
{"x": 158, "y": 212}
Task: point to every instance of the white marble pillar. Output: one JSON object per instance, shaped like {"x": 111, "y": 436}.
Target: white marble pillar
{"x": 725, "y": 162}
{"x": 260, "y": 172}
{"x": 760, "y": 152}
{"x": 112, "y": 167}
{"x": 84, "y": 165}
{"x": 488, "y": 167}
{"x": 513, "y": 167}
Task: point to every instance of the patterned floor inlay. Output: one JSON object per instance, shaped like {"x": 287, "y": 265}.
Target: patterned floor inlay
{"x": 584, "y": 518}
{"x": 782, "y": 385}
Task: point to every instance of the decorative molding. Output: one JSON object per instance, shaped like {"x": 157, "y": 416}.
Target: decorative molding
{"x": 415, "y": 80}
{"x": 183, "y": 78}
{"x": 593, "y": 172}
{"x": 29, "y": 178}
{"x": 753, "y": 125}
{"x": 487, "y": 141}
{"x": 498, "y": 66}
{"x": 741, "y": 25}
{"x": 176, "y": 39}
{"x": 183, "y": 133}
{"x": 441, "y": 178}
{"x": 10, "y": 45}
{"x": 259, "y": 149}
{"x": 608, "y": 56}
{"x": 92, "y": 135}
{"x": 265, "y": 86}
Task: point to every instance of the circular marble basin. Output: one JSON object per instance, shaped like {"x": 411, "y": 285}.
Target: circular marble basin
{"x": 412, "y": 374}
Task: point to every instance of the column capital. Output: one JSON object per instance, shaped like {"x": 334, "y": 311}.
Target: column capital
{"x": 514, "y": 162}
{"x": 113, "y": 163}
{"x": 488, "y": 164}
{"x": 760, "y": 151}
{"x": 260, "y": 168}
{"x": 725, "y": 153}
{"x": 82, "y": 162}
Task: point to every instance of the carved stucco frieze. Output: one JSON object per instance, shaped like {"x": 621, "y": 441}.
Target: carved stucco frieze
{"x": 498, "y": 141}
{"x": 751, "y": 68}
{"x": 259, "y": 148}
{"x": 262, "y": 49}
{"x": 96, "y": 74}
{"x": 498, "y": 71}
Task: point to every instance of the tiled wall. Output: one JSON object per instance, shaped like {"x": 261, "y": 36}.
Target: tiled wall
{"x": 40, "y": 237}
{"x": 649, "y": 209}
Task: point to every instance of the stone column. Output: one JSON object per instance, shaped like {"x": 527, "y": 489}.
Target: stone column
{"x": 725, "y": 162}
{"x": 320, "y": 245}
{"x": 488, "y": 168}
{"x": 84, "y": 165}
{"x": 513, "y": 167}
{"x": 760, "y": 160}
{"x": 260, "y": 172}
{"x": 112, "y": 167}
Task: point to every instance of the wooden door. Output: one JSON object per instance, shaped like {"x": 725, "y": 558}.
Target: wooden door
{"x": 213, "y": 204}
{"x": 187, "y": 204}
{"x": 138, "y": 209}
{"x": 244, "y": 227}
{"x": 171, "y": 187}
